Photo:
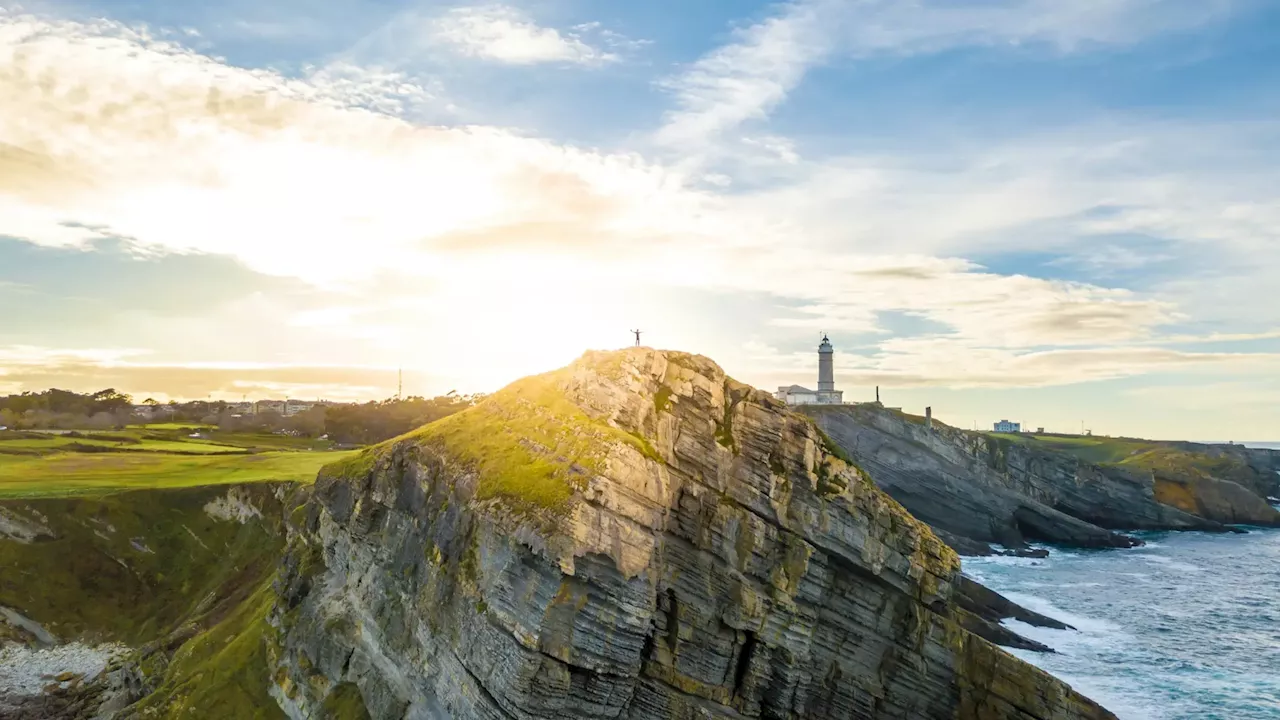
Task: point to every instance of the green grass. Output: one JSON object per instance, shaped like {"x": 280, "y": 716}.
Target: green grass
{"x": 134, "y": 566}
{"x": 267, "y": 441}
{"x": 48, "y": 444}
{"x": 1148, "y": 455}
{"x": 184, "y": 446}
{"x": 345, "y": 703}
{"x": 174, "y": 426}
{"x": 98, "y": 473}
{"x": 133, "y": 441}
{"x": 223, "y": 672}
{"x": 532, "y": 448}
{"x": 662, "y": 399}
{"x": 1098, "y": 450}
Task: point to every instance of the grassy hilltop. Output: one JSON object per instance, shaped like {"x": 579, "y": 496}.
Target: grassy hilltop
{"x": 1151, "y": 455}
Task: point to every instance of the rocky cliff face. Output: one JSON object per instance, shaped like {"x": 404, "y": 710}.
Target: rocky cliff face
{"x": 977, "y": 489}
{"x": 636, "y": 536}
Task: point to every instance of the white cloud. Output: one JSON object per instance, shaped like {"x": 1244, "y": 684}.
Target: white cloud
{"x": 960, "y": 363}
{"x": 505, "y": 34}
{"x": 1256, "y": 393}
{"x": 109, "y": 129}
{"x": 746, "y": 79}
{"x": 442, "y": 238}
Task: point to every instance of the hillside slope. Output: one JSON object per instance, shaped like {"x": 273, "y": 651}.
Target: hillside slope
{"x": 976, "y": 488}
{"x": 635, "y": 536}
{"x": 164, "y": 588}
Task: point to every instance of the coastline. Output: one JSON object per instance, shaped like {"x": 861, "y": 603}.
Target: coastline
{"x": 1181, "y": 627}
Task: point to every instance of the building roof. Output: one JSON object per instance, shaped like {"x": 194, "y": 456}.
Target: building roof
{"x": 795, "y": 389}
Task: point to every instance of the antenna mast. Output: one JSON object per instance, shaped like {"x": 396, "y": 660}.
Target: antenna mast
{"x": 399, "y": 383}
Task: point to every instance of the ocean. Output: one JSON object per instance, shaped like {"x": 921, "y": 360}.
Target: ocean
{"x": 1258, "y": 445}
{"x": 1184, "y": 628}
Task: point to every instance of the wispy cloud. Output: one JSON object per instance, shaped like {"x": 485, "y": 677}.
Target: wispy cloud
{"x": 960, "y": 363}
{"x": 746, "y": 79}
{"x": 106, "y": 131}
{"x": 506, "y": 34}
{"x": 749, "y": 77}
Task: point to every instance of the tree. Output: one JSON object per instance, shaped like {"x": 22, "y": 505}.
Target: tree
{"x": 377, "y": 421}
{"x": 310, "y": 423}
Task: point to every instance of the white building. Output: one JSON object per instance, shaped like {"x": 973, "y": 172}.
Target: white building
{"x": 269, "y": 405}
{"x": 293, "y": 407}
{"x": 826, "y": 394}
{"x": 241, "y": 408}
{"x": 1004, "y": 426}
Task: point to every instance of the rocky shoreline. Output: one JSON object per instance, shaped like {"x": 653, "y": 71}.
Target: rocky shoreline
{"x": 977, "y": 490}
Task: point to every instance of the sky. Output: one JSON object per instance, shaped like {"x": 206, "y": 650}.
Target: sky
{"x": 1064, "y": 214}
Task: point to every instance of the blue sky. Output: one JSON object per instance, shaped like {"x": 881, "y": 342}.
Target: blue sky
{"x": 1053, "y": 212}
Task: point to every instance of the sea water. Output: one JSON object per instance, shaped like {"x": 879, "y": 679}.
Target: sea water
{"x": 1186, "y": 627}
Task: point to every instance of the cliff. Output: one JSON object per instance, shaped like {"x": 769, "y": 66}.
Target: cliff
{"x": 635, "y": 536}
{"x": 975, "y": 488}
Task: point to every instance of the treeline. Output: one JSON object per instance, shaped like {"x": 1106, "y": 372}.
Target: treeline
{"x": 353, "y": 424}
{"x": 377, "y": 421}
{"x": 65, "y": 409}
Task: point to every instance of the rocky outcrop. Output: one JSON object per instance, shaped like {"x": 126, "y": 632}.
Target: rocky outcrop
{"x": 976, "y": 489}
{"x": 636, "y": 536}
{"x": 1257, "y": 469}
{"x": 982, "y": 610}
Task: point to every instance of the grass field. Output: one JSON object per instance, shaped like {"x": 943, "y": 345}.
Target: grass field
{"x": 1148, "y": 455}
{"x": 1092, "y": 449}
{"x": 173, "y": 426}
{"x": 54, "y": 444}
{"x": 152, "y": 438}
{"x": 100, "y": 473}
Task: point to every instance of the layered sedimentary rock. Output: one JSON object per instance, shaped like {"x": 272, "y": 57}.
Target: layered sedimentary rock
{"x": 636, "y": 536}
{"x": 1257, "y": 469}
{"x": 976, "y": 489}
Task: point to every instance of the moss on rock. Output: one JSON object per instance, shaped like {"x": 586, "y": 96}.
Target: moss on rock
{"x": 345, "y": 702}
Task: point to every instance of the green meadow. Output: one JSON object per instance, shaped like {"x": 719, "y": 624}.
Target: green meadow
{"x": 1148, "y": 455}
{"x": 132, "y": 553}
{"x": 36, "y": 464}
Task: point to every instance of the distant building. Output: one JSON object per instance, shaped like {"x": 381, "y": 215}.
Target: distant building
{"x": 269, "y": 405}
{"x": 826, "y": 394}
{"x": 240, "y": 408}
{"x": 293, "y": 407}
{"x": 1004, "y": 426}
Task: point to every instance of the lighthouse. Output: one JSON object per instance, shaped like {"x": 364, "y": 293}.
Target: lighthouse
{"x": 826, "y": 366}
{"x": 826, "y": 394}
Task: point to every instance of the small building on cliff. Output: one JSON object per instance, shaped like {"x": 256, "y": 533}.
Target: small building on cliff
{"x": 826, "y": 394}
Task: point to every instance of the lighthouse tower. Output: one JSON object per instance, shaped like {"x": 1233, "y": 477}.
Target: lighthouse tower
{"x": 826, "y": 368}
{"x": 826, "y": 394}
